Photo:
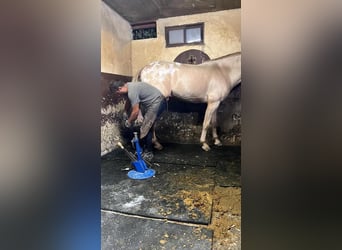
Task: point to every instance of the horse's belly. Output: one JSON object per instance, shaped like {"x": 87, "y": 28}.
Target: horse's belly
{"x": 191, "y": 94}
{"x": 193, "y": 99}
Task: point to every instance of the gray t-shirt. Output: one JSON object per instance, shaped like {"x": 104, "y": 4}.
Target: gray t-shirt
{"x": 143, "y": 93}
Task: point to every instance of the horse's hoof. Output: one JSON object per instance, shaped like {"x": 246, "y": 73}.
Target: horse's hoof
{"x": 158, "y": 146}
{"x": 218, "y": 143}
{"x": 205, "y": 147}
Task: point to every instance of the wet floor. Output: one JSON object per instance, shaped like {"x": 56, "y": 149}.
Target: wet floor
{"x": 173, "y": 209}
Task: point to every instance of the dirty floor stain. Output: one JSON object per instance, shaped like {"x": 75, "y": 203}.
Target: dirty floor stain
{"x": 192, "y": 189}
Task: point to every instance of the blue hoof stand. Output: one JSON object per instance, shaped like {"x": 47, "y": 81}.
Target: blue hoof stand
{"x": 133, "y": 174}
{"x": 141, "y": 171}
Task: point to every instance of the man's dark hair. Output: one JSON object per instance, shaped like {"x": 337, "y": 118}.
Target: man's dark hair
{"x": 115, "y": 85}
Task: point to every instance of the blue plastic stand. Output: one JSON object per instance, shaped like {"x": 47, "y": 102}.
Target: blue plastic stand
{"x": 141, "y": 171}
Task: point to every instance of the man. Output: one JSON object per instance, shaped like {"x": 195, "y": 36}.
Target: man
{"x": 150, "y": 101}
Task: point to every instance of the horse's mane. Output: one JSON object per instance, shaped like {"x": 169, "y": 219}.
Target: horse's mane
{"x": 222, "y": 57}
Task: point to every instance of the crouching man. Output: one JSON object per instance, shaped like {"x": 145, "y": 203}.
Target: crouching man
{"x": 150, "y": 101}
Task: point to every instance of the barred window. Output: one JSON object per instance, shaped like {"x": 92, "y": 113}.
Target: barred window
{"x": 144, "y": 30}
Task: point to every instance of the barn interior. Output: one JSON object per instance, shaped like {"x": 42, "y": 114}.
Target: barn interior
{"x": 193, "y": 201}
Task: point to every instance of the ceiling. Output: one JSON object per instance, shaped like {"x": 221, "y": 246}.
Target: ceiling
{"x": 139, "y": 11}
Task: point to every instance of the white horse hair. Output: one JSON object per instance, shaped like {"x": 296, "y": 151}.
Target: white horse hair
{"x": 209, "y": 82}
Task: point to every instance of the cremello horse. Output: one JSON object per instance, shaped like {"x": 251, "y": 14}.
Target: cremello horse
{"x": 209, "y": 82}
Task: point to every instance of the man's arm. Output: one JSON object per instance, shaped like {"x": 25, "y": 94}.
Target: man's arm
{"x": 134, "y": 113}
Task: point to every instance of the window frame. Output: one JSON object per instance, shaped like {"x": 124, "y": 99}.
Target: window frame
{"x": 184, "y": 28}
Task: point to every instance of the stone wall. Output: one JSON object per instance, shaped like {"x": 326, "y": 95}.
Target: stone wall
{"x": 112, "y": 113}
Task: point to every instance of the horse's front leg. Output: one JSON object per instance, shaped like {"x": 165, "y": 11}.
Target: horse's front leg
{"x": 217, "y": 141}
{"x": 211, "y": 109}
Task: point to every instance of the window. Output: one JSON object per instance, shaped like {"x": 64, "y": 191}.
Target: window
{"x": 183, "y": 35}
{"x": 144, "y": 30}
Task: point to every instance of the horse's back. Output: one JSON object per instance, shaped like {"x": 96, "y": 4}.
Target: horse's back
{"x": 159, "y": 75}
{"x": 195, "y": 82}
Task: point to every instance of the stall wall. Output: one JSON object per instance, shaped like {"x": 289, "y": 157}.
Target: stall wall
{"x": 222, "y": 36}
{"x": 122, "y": 58}
{"x": 116, "y": 38}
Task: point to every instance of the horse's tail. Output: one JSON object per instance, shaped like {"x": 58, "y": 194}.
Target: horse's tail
{"x": 137, "y": 77}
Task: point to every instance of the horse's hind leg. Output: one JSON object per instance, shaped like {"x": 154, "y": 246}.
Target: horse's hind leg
{"x": 217, "y": 141}
{"x": 211, "y": 109}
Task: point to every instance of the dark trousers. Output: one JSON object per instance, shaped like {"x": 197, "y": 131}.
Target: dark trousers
{"x": 150, "y": 115}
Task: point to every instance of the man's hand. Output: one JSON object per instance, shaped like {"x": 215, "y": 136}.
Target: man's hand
{"x": 127, "y": 124}
{"x": 125, "y": 116}
{"x": 139, "y": 119}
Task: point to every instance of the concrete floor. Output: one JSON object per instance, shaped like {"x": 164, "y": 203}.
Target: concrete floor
{"x": 172, "y": 210}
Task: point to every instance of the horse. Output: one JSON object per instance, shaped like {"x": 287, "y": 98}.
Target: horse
{"x": 209, "y": 82}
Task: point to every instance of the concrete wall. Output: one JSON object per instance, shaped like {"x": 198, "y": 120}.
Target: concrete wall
{"x": 116, "y": 38}
{"x": 222, "y": 36}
